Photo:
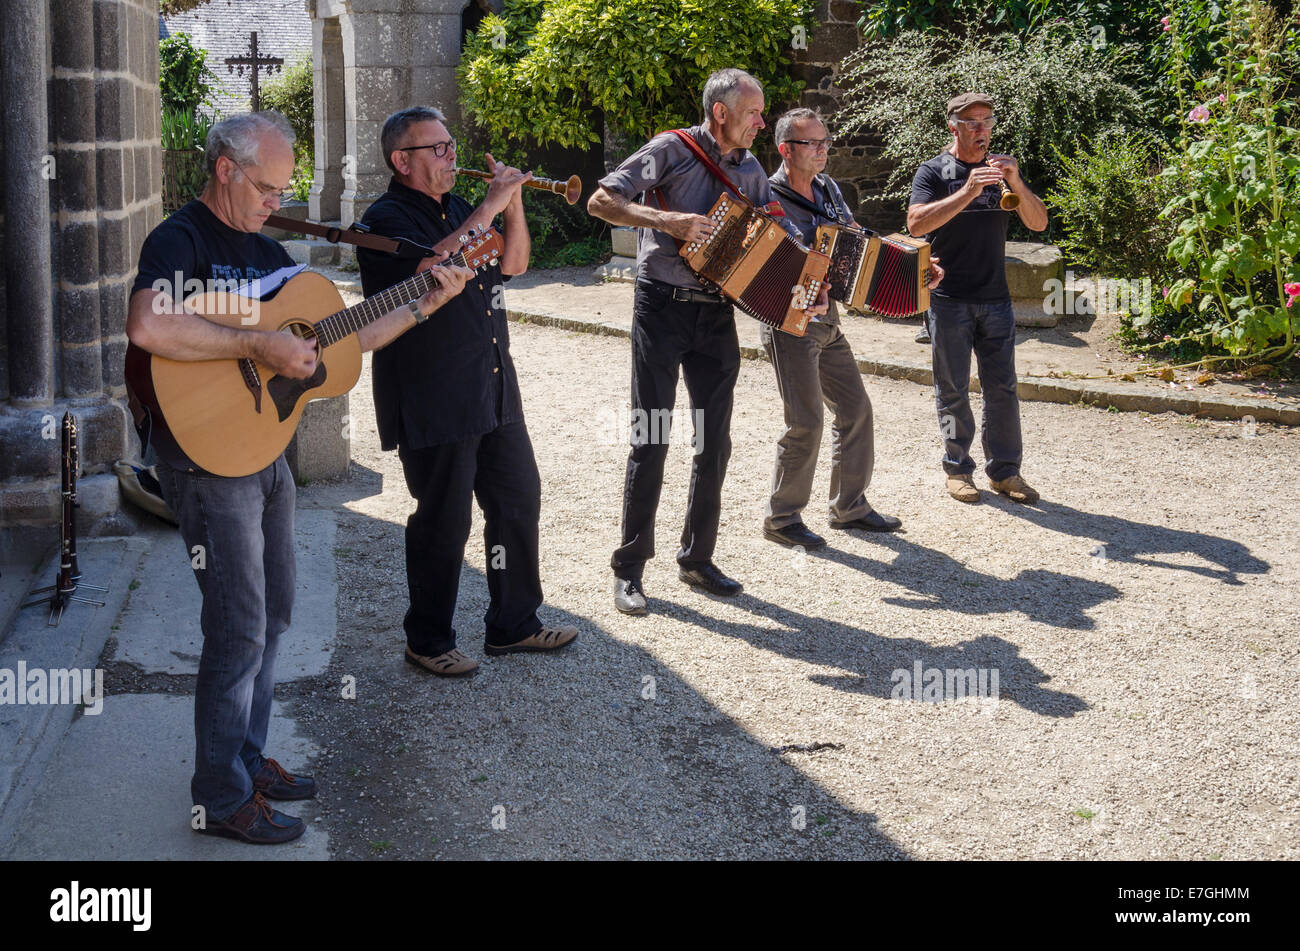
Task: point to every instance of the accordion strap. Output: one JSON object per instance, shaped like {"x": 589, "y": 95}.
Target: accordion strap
{"x": 771, "y": 208}
{"x": 841, "y": 217}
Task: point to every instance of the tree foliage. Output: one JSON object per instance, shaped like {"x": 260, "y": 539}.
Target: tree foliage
{"x": 544, "y": 68}
{"x": 290, "y": 94}
{"x": 184, "y": 78}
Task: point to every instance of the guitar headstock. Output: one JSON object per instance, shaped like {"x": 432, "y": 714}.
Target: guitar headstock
{"x": 481, "y": 249}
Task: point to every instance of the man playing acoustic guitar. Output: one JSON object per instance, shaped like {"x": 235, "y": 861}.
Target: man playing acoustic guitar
{"x": 243, "y": 527}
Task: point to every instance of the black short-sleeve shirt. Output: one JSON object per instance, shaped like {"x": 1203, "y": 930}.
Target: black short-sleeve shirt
{"x": 451, "y": 377}
{"x": 972, "y": 246}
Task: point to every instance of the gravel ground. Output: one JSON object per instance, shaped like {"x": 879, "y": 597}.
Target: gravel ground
{"x": 1137, "y": 620}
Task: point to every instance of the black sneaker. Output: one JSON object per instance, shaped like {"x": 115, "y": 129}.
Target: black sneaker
{"x": 706, "y": 575}
{"x": 257, "y": 823}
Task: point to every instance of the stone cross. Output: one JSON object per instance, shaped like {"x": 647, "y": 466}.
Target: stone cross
{"x": 255, "y": 64}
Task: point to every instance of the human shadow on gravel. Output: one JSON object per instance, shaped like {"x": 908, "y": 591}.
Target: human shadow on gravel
{"x": 1123, "y": 540}
{"x": 598, "y": 751}
{"x": 943, "y": 582}
{"x": 871, "y": 663}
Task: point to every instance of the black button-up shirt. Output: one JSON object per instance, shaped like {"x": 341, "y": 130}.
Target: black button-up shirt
{"x": 451, "y": 377}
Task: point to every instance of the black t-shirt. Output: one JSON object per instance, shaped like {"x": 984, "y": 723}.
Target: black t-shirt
{"x": 180, "y": 257}
{"x": 196, "y": 245}
{"x": 972, "y": 246}
{"x": 451, "y": 377}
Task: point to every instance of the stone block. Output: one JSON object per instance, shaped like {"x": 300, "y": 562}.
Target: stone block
{"x": 79, "y": 252}
{"x": 111, "y": 37}
{"x": 618, "y": 268}
{"x": 31, "y": 443}
{"x": 115, "y": 252}
{"x": 37, "y": 503}
{"x": 73, "y": 43}
{"x": 80, "y": 376}
{"x": 140, "y": 37}
{"x": 845, "y": 11}
{"x": 78, "y": 315}
{"x": 114, "y": 109}
{"x": 113, "y": 299}
{"x": 1030, "y": 266}
{"x": 110, "y": 180}
{"x": 74, "y": 119}
{"x": 830, "y": 43}
{"x": 1029, "y": 313}
{"x": 140, "y": 165}
{"x": 321, "y": 448}
{"x": 113, "y": 364}
{"x": 624, "y": 241}
{"x": 74, "y": 179}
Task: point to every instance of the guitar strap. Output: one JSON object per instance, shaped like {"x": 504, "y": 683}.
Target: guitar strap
{"x": 357, "y": 234}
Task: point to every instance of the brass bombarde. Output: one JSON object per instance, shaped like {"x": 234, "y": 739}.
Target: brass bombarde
{"x": 571, "y": 189}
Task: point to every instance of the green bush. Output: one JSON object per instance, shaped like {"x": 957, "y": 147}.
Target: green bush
{"x": 290, "y": 94}
{"x": 184, "y": 79}
{"x": 545, "y": 69}
{"x": 1053, "y": 89}
{"x": 1108, "y": 203}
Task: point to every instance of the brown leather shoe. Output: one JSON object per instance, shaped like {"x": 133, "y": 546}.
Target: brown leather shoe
{"x": 1016, "y": 489}
{"x": 962, "y": 488}
{"x": 451, "y": 664}
{"x": 547, "y": 639}
{"x": 257, "y": 823}
{"x": 275, "y": 782}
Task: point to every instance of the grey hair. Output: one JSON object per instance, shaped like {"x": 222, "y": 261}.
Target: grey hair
{"x": 238, "y": 137}
{"x": 787, "y": 121}
{"x": 724, "y": 86}
{"x": 395, "y": 127}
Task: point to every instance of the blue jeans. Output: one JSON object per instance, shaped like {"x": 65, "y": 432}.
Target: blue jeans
{"x": 988, "y": 327}
{"x": 239, "y": 538}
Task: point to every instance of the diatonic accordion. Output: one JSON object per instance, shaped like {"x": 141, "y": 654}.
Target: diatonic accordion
{"x": 887, "y": 274}
{"x": 756, "y": 264}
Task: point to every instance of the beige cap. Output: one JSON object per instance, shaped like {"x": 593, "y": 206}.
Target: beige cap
{"x": 968, "y": 99}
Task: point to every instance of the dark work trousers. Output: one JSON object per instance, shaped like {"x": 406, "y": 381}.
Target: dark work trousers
{"x": 498, "y": 469}
{"x": 811, "y": 370}
{"x": 700, "y": 339}
{"x": 988, "y": 327}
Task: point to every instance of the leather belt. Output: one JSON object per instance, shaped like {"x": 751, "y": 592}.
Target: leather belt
{"x": 683, "y": 294}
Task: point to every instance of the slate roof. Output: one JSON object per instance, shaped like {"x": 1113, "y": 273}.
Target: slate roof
{"x": 222, "y": 26}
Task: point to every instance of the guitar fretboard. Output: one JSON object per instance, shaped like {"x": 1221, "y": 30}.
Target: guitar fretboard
{"x": 348, "y": 321}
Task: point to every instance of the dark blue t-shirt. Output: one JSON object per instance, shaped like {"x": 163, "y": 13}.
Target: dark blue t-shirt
{"x": 972, "y": 246}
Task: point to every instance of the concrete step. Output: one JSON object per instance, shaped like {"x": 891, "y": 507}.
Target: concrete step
{"x": 313, "y": 252}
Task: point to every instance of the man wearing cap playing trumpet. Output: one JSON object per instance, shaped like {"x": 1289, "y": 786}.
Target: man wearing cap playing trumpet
{"x": 956, "y": 207}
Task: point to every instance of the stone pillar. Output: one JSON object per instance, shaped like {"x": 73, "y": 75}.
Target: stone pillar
{"x": 393, "y": 57}
{"x": 27, "y": 171}
{"x": 328, "y": 100}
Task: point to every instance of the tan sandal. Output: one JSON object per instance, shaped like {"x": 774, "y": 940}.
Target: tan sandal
{"x": 547, "y": 639}
{"x": 451, "y": 664}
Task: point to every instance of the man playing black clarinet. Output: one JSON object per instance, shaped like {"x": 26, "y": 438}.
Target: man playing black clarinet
{"x": 956, "y": 205}
{"x": 678, "y": 325}
{"x": 447, "y": 399}
{"x": 818, "y": 367}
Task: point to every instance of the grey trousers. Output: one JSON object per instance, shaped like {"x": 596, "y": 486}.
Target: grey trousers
{"x": 811, "y": 370}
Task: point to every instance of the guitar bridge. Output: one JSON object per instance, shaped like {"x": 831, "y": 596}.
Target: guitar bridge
{"x": 252, "y": 380}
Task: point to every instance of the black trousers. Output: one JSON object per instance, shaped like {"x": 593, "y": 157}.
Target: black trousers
{"x": 498, "y": 469}
{"x": 700, "y": 340}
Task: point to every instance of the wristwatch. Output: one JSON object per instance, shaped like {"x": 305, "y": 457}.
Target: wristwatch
{"x": 415, "y": 312}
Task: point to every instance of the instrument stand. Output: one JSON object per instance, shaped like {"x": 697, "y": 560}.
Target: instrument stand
{"x": 69, "y": 579}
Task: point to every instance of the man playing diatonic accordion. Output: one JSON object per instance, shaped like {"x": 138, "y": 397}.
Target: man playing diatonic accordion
{"x": 818, "y": 367}
{"x": 677, "y": 324}
{"x": 955, "y": 204}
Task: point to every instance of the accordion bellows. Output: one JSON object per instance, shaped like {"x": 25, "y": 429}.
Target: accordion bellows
{"x": 887, "y": 275}
{"x": 755, "y": 263}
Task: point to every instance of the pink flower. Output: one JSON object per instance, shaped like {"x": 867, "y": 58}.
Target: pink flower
{"x": 1166, "y": 292}
{"x": 1164, "y": 21}
{"x": 1199, "y": 114}
{"x": 1292, "y": 292}
{"x": 1222, "y": 98}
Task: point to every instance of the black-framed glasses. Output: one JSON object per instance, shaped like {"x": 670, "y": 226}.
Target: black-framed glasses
{"x": 974, "y": 125}
{"x": 265, "y": 191}
{"x": 439, "y": 148}
{"x": 817, "y": 145}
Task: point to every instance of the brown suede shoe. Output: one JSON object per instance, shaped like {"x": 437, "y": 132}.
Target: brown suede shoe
{"x": 547, "y": 639}
{"x": 962, "y": 488}
{"x": 257, "y": 823}
{"x": 1016, "y": 489}
{"x": 451, "y": 664}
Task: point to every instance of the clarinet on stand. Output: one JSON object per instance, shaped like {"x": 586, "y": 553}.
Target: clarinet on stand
{"x": 69, "y": 579}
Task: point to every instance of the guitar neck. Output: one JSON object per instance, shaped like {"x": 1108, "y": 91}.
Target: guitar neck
{"x": 335, "y": 327}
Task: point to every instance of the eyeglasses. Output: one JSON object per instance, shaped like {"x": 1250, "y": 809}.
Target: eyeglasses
{"x": 819, "y": 145}
{"x": 974, "y": 125}
{"x": 439, "y": 148}
{"x": 265, "y": 191}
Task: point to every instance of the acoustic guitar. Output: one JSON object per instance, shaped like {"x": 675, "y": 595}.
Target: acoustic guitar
{"x": 233, "y": 417}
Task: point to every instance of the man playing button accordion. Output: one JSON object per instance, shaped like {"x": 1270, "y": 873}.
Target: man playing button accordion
{"x": 818, "y": 367}
{"x": 679, "y": 325}
{"x": 956, "y": 204}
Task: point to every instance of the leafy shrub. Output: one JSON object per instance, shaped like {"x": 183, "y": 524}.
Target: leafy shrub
{"x": 1109, "y": 202}
{"x": 1053, "y": 89}
{"x": 184, "y": 79}
{"x": 545, "y": 68}
{"x": 290, "y": 94}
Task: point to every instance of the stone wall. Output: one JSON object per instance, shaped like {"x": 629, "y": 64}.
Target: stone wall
{"x": 82, "y": 175}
